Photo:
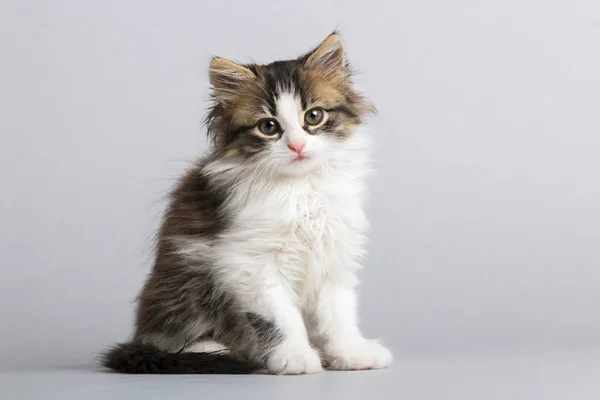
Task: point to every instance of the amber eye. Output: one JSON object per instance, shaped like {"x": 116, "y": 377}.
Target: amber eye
{"x": 269, "y": 126}
{"x": 314, "y": 116}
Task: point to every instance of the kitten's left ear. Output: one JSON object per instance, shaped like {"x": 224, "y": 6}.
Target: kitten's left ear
{"x": 328, "y": 56}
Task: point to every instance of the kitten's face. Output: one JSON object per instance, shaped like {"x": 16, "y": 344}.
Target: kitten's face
{"x": 289, "y": 115}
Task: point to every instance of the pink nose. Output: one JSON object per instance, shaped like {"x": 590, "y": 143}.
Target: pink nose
{"x": 297, "y": 148}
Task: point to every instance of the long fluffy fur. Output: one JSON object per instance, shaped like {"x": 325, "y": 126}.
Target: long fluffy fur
{"x": 258, "y": 250}
{"x": 133, "y": 358}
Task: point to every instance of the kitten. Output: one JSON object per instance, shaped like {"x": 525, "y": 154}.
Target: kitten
{"x": 258, "y": 251}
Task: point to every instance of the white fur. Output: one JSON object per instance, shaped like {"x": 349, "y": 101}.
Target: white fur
{"x": 296, "y": 242}
{"x": 206, "y": 346}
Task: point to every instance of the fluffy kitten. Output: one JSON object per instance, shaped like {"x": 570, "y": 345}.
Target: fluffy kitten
{"x": 258, "y": 251}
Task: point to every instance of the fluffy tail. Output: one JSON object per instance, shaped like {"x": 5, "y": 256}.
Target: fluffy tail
{"x": 132, "y": 358}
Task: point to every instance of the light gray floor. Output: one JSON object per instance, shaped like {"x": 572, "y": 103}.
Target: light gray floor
{"x": 557, "y": 375}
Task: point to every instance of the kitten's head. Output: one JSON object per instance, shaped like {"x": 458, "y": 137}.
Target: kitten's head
{"x": 290, "y": 115}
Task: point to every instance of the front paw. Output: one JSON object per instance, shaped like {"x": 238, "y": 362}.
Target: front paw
{"x": 358, "y": 355}
{"x": 294, "y": 359}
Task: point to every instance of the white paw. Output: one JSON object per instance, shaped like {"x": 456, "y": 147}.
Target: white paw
{"x": 294, "y": 359}
{"x": 362, "y": 354}
{"x": 206, "y": 346}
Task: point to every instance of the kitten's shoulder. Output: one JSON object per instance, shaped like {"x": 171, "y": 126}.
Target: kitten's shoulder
{"x": 195, "y": 206}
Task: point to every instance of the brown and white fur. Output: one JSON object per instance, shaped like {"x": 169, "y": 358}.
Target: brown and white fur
{"x": 258, "y": 252}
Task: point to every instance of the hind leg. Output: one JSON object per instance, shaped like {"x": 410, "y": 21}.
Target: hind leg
{"x": 183, "y": 338}
{"x": 170, "y": 314}
{"x": 206, "y": 346}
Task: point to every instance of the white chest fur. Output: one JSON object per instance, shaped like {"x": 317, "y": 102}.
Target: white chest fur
{"x": 293, "y": 232}
{"x": 297, "y": 232}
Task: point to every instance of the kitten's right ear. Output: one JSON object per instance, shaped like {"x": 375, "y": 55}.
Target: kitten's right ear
{"x": 227, "y": 77}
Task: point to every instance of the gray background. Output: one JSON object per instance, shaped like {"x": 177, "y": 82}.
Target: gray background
{"x": 485, "y": 208}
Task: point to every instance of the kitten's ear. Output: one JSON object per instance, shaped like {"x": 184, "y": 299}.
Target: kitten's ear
{"x": 328, "y": 56}
{"x": 227, "y": 77}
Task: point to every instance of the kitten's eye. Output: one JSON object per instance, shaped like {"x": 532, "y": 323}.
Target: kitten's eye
{"x": 269, "y": 126}
{"x": 314, "y": 116}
